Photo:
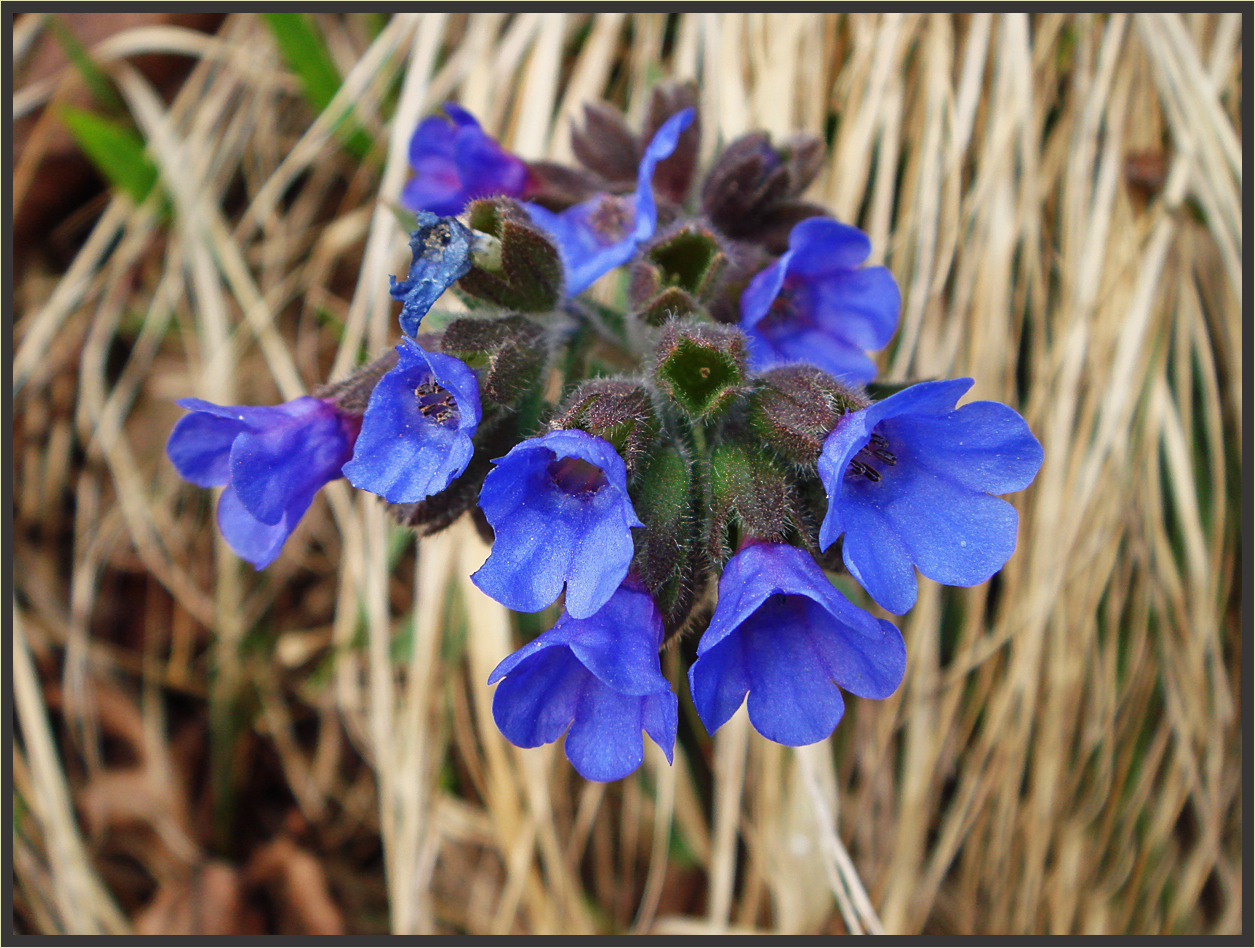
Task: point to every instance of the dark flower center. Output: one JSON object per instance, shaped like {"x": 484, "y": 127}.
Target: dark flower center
{"x": 871, "y": 459}
{"x": 610, "y": 220}
{"x": 785, "y": 313}
{"x": 576, "y": 477}
{"x": 437, "y": 404}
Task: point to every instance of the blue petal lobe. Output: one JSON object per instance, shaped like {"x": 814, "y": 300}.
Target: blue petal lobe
{"x": 821, "y": 245}
{"x": 252, "y": 540}
{"x": 792, "y": 699}
{"x": 538, "y": 700}
{"x": 200, "y": 448}
{"x": 605, "y": 741}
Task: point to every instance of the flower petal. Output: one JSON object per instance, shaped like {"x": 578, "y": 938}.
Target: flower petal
{"x": 538, "y": 700}
{"x": 784, "y": 634}
{"x": 402, "y": 453}
{"x": 660, "y": 718}
{"x": 200, "y": 447}
{"x": 278, "y": 468}
{"x": 762, "y": 290}
{"x": 718, "y": 681}
{"x": 858, "y": 306}
{"x": 605, "y": 741}
{"x": 546, "y": 537}
{"x": 792, "y": 699}
{"x": 822, "y": 245}
{"x": 929, "y": 510}
{"x": 252, "y": 540}
{"x": 588, "y": 253}
{"x": 620, "y": 644}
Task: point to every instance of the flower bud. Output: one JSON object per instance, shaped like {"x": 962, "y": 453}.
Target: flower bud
{"x": 674, "y": 176}
{"x": 666, "y": 556}
{"x": 747, "y": 493}
{"x": 606, "y": 146}
{"x": 751, "y": 192}
{"x": 529, "y": 275}
{"x": 794, "y": 407}
{"x": 616, "y": 410}
{"x": 510, "y": 350}
{"x": 701, "y": 366}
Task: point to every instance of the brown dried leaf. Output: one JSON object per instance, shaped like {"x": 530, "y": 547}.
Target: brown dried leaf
{"x": 210, "y": 901}
{"x": 296, "y": 880}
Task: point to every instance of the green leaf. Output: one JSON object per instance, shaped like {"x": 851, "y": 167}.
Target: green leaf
{"x": 114, "y": 149}
{"x": 307, "y": 55}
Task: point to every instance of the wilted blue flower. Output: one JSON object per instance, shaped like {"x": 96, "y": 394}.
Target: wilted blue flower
{"x": 454, "y": 162}
{"x": 599, "y": 676}
{"x": 416, "y": 434}
{"x": 909, "y": 481}
{"x": 783, "y": 633}
{"x": 816, "y": 304}
{"x": 561, "y": 512}
{"x": 440, "y": 251}
{"x": 602, "y": 233}
{"x": 271, "y": 459}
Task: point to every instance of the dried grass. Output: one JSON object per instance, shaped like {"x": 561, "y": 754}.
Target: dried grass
{"x": 1064, "y": 756}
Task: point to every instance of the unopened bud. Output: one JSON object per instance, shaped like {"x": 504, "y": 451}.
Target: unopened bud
{"x": 702, "y": 366}
{"x": 616, "y": 410}
{"x": 523, "y": 272}
{"x": 510, "y": 350}
{"x": 794, "y": 407}
{"x": 749, "y": 497}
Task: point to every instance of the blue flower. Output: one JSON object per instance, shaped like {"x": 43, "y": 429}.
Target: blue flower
{"x": 603, "y": 232}
{"x": 561, "y": 512}
{"x": 440, "y": 250}
{"x": 597, "y": 675}
{"x": 815, "y": 304}
{"x": 909, "y": 481}
{"x": 416, "y": 434}
{"x": 783, "y": 633}
{"x": 271, "y": 460}
{"x": 454, "y": 162}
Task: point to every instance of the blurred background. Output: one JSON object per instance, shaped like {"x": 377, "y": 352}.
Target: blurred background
{"x": 204, "y": 205}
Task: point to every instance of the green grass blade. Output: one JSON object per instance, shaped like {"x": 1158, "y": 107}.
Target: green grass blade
{"x": 307, "y": 55}
{"x": 114, "y": 149}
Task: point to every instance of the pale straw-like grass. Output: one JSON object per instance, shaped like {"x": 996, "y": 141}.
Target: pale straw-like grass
{"x": 1064, "y": 754}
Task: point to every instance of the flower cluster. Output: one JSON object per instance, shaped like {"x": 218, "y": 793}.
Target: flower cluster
{"x": 712, "y": 482}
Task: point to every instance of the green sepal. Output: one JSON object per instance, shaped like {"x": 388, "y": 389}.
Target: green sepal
{"x": 690, "y": 258}
{"x": 678, "y": 274}
{"x": 795, "y": 407}
{"x": 748, "y": 494}
{"x": 702, "y": 366}
{"x": 509, "y": 350}
{"x": 618, "y": 410}
{"x": 664, "y": 500}
{"x": 529, "y": 276}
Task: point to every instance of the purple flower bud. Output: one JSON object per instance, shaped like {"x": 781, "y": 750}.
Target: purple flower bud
{"x": 416, "y": 434}
{"x": 783, "y": 633}
{"x": 560, "y": 509}
{"x": 909, "y": 481}
{"x": 603, "y": 232}
{"x": 454, "y": 162}
{"x": 271, "y": 460}
{"x": 600, "y": 677}
{"x": 816, "y": 304}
